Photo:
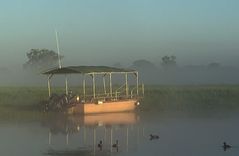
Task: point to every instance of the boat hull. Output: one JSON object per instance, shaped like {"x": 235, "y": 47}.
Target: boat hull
{"x": 106, "y": 107}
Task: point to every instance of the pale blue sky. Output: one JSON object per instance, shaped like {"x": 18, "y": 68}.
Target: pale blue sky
{"x": 107, "y": 31}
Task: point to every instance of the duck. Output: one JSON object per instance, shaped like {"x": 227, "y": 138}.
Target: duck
{"x": 100, "y": 145}
{"x": 116, "y": 145}
{"x": 226, "y": 146}
{"x": 152, "y": 137}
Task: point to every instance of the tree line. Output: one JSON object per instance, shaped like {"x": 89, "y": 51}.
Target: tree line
{"x": 44, "y": 59}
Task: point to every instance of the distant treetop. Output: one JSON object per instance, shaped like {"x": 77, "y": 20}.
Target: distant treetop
{"x": 41, "y": 59}
{"x": 168, "y": 61}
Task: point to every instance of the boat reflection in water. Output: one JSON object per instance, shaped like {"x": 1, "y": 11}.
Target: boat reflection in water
{"x": 96, "y": 134}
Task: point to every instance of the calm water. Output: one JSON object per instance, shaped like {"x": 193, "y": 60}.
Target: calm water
{"x": 180, "y": 133}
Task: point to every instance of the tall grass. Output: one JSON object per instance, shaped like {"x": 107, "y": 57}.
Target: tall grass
{"x": 21, "y": 96}
{"x": 191, "y": 97}
{"x": 156, "y": 97}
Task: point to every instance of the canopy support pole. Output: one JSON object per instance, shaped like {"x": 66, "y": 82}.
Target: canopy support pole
{"x": 84, "y": 86}
{"x": 104, "y": 84}
{"x": 137, "y": 83}
{"x": 126, "y": 85}
{"x": 143, "y": 89}
{"x": 111, "y": 85}
{"x": 93, "y": 81}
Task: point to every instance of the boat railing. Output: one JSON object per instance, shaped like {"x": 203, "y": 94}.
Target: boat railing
{"x": 131, "y": 92}
{"x": 120, "y": 87}
{"x": 104, "y": 97}
{"x": 140, "y": 91}
{"x": 119, "y": 93}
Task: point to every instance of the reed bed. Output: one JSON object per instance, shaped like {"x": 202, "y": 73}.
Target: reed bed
{"x": 191, "y": 97}
{"x": 197, "y": 97}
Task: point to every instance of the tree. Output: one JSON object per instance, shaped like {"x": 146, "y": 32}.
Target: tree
{"x": 169, "y": 61}
{"x": 41, "y": 59}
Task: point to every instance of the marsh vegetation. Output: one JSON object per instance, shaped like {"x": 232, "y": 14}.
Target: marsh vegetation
{"x": 191, "y": 97}
{"x": 192, "y": 111}
{"x": 157, "y": 98}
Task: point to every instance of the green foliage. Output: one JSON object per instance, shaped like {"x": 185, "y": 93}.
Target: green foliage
{"x": 169, "y": 61}
{"x": 41, "y": 59}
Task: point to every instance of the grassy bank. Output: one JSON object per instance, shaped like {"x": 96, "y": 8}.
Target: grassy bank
{"x": 21, "y": 96}
{"x": 156, "y": 97}
{"x": 203, "y": 97}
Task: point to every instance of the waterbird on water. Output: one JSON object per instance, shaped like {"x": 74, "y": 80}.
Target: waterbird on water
{"x": 100, "y": 145}
{"x": 226, "y": 146}
{"x": 152, "y": 137}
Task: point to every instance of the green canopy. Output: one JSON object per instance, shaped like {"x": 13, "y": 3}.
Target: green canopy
{"x": 87, "y": 70}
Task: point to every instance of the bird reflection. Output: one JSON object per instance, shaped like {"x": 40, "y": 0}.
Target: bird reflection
{"x": 153, "y": 137}
{"x": 100, "y": 145}
{"x": 116, "y": 145}
{"x": 226, "y": 146}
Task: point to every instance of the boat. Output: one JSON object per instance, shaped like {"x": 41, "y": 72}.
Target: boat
{"x": 125, "y": 97}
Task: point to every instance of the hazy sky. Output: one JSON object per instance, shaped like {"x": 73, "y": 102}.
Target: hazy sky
{"x": 93, "y": 32}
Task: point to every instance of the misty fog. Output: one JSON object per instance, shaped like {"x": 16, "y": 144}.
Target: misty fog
{"x": 117, "y": 33}
{"x": 149, "y": 73}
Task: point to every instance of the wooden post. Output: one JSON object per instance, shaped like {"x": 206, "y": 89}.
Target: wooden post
{"x": 49, "y": 85}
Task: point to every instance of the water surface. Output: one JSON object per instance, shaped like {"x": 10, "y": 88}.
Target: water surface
{"x": 180, "y": 133}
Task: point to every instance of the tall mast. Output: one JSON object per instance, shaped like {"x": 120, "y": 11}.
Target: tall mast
{"x": 58, "y": 49}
